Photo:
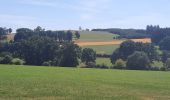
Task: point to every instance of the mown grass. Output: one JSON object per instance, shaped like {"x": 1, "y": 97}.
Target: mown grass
{"x": 96, "y": 36}
{"x": 48, "y": 83}
{"x": 103, "y": 49}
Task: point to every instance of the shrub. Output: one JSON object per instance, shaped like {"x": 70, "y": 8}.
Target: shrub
{"x": 1, "y": 59}
{"x": 156, "y": 68}
{"x": 167, "y": 64}
{"x": 120, "y": 64}
{"x": 91, "y": 65}
{"x": 164, "y": 44}
{"x": 17, "y": 61}
{"x": 88, "y": 55}
{"x": 6, "y": 60}
{"x": 3, "y": 54}
{"x": 102, "y": 66}
{"x": 47, "y": 63}
{"x": 138, "y": 61}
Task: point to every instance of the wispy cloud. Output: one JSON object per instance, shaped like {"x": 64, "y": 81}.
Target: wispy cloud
{"x": 17, "y": 21}
{"x": 38, "y": 2}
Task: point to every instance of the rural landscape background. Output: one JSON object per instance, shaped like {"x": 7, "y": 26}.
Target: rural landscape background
{"x": 62, "y": 50}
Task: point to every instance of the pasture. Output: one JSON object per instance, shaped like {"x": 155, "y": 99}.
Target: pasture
{"x": 55, "y": 83}
{"x": 103, "y": 49}
{"x": 96, "y": 36}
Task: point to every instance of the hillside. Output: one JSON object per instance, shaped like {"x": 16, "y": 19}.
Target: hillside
{"x": 96, "y": 36}
{"x": 42, "y": 83}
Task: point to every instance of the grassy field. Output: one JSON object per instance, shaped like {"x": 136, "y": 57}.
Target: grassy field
{"x": 47, "y": 83}
{"x": 103, "y": 49}
{"x": 96, "y": 36}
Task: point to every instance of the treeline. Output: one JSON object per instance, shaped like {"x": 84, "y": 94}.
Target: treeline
{"x": 40, "y": 47}
{"x": 61, "y": 36}
{"x": 127, "y": 33}
{"x": 152, "y": 31}
{"x": 137, "y": 56}
{"x": 4, "y": 32}
{"x": 157, "y": 33}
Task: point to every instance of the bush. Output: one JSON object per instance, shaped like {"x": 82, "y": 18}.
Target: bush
{"x": 3, "y": 54}
{"x": 47, "y": 63}
{"x": 6, "y": 60}
{"x": 138, "y": 61}
{"x": 88, "y": 56}
{"x": 156, "y": 68}
{"x": 167, "y": 64}
{"x": 17, "y": 61}
{"x": 91, "y": 65}
{"x": 1, "y": 59}
{"x": 102, "y": 66}
{"x": 164, "y": 44}
{"x": 120, "y": 64}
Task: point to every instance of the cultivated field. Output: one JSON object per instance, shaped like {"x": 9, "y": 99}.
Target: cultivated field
{"x": 113, "y": 42}
{"x": 42, "y": 83}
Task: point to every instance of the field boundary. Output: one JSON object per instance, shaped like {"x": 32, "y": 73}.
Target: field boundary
{"x": 114, "y": 42}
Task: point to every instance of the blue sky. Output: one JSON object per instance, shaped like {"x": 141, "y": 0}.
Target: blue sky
{"x": 70, "y": 14}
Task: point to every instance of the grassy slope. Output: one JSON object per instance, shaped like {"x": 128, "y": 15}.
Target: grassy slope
{"x": 82, "y": 84}
{"x": 104, "y": 49}
{"x": 96, "y": 36}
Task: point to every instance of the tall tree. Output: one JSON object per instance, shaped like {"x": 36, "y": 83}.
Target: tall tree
{"x": 77, "y": 34}
{"x": 88, "y": 55}
{"x": 138, "y": 61}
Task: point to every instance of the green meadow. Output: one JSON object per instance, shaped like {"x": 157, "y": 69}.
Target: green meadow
{"x": 56, "y": 83}
{"x": 96, "y": 36}
{"x": 103, "y": 49}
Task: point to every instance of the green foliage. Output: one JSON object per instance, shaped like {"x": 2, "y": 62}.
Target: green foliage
{"x": 129, "y": 47}
{"x": 77, "y": 34}
{"x": 105, "y": 61}
{"x": 157, "y": 33}
{"x": 17, "y": 61}
{"x": 120, "y": 64}
{"x": 6, "y": 59}
{"x": 3, "y": 32}
{"x": 47, "y": 63}
{"x": 69, "y": 55}
{"x": 165, "y": 55}
{"x": 88, "y": 55}
{"x": 35, "y": 50}
{"x": 167, "y": 64}
{"x": 102, "y": 66}
{"x": 90, "y": 65}
{"x": 25, "y": 33}
{"x": 138, "y": 61}
{"x": 165, "y": 43}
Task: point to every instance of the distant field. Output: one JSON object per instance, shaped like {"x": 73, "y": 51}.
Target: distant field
{"x": 113, "y": 42}
{"x": 47, "y": 83}
{"x": 103, "y": 49}
{"x": 96, "y": 36}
